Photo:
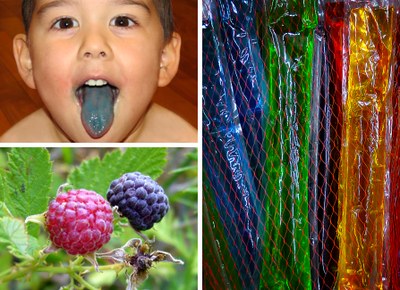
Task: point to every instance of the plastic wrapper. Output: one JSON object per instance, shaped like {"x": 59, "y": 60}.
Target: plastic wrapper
{"x": 314, "y": 194}
{"x": 321, "y": 198}
{"x": 391, "y": 270}
{"x": 301, "y": 144}
{"x": 286, "y": 28}
{"x": 330, "y": 83}
{"x": 218, "y": 274}
{"x": 322, "y": 179}
{"x": 225, "y": 159}
{"x": 367, "y": 116}
{"x": 238, "y": 32}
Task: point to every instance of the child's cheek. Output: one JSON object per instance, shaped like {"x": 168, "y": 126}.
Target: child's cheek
{"x": 54, "y": 75}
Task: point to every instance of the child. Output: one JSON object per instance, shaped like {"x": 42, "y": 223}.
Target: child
{"x": 96, "y": 65}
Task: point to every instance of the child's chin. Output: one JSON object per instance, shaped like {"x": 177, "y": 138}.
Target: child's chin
{"x": 83, "y": 137}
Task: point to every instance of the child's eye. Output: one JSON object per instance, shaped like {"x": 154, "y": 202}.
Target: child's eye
{"x": 65, "y": 23}
{"x": 122, "y": 21}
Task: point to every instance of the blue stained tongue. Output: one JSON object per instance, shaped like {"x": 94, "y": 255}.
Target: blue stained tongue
{"x": 97, "y": 112}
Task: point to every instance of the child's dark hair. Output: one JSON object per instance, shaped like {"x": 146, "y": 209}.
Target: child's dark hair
{"x": 164, "y": 9}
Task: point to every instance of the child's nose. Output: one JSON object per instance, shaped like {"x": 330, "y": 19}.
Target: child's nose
{"x": 95, "y": 46}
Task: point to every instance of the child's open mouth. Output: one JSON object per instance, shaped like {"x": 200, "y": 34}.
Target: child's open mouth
{"x": 97, "y": 99}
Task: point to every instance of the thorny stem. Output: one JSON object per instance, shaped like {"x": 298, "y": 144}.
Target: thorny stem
{"x": 17, "y": 272}
{"x": 31, "y": 263}
{"x": 76, "y": 270}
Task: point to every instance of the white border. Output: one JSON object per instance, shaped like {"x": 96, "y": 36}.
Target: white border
{"x": 100, "y": 145}
{"x": 199, "y": 146}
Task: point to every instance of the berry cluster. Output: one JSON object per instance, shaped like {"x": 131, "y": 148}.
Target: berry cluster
{"x": 79, "y": 221}
{"x": 139, "y": 198}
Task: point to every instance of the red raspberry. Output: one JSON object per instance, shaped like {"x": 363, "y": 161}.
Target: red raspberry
{"x": 79, "y": 221}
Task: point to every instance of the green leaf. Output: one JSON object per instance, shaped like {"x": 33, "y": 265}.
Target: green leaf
{"x": 14, "y": 236}
{"x": 4, "y": 211}
{"x": 2, "y": 184}
{"x": 96, "y": 174}
{"x": 27, "y": 182}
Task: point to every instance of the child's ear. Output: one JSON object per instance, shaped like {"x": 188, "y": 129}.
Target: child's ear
{"x": 170, "y": 60}
{"x": 23, "y": 59}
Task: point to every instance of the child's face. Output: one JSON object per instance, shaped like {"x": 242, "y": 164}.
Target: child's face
{"x": 118, "y": 41}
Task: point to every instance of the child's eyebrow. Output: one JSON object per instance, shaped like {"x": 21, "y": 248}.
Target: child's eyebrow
{"x": 58, "y": 3}
{"x": 134, "y": 2}
{"x": 52, "y": 4}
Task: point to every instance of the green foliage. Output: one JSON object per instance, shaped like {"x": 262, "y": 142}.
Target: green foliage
{"x": 179, "y": 226}
{"x": 13, "y": 234}
{"x": 96, "y": 174}
{"x": 27, "y": 183}
{"x": 29, "y": 179}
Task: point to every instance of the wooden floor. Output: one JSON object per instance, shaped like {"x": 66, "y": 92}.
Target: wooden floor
{"x": 18, "y": 101}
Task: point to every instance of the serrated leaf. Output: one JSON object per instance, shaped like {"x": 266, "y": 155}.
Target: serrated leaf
{"x": 14, "y": 236}
{"x": 96, "y": 174}
{"x": 27, "y": 181}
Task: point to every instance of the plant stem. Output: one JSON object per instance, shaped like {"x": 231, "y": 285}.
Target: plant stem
{"x": 83, "y": 282}
{"x": 19, "y": 273}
